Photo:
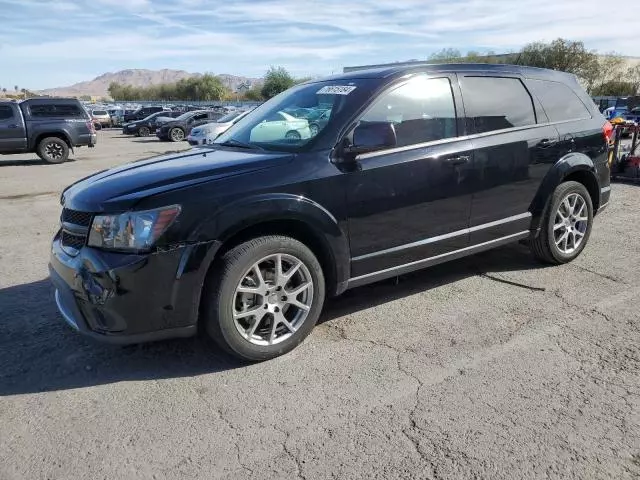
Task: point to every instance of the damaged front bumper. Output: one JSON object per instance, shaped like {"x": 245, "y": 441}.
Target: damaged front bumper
{"x": 130, "y": 298}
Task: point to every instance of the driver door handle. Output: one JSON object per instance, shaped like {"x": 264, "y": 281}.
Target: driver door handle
{"x": 459, "y": 160}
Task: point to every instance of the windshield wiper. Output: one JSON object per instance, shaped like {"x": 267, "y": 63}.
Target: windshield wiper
{"x": 232, "y": 142}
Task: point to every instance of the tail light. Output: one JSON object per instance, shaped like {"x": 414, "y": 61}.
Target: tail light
{"x": 607, "y": 130}
{"x": 91, "y": 126}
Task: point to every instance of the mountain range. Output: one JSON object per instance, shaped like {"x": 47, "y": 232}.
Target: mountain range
{"x": 139, "y": 78}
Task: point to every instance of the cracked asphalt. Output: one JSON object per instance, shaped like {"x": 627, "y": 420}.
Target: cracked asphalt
{"x": 491, "y": 367}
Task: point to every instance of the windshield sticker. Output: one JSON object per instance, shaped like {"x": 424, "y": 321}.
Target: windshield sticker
{"x": 336, "y": 90}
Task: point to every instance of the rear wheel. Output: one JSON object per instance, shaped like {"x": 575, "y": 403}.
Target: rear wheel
{"x": 143, "y": 132}
{"x": 292, "y": 135}
{"x": 176, "y": 134}
{"x": 264, "y": 297}
{"x": 53, "y": 150}
{"x": 566, "y": 225}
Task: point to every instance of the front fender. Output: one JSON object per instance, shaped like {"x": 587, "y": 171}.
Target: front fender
{"x": 569, "y": 164}
{"x": 230, "y": 219}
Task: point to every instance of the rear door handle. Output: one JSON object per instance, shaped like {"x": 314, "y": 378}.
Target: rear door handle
{"x": 13, "y": 125}
{"x": 459, "y": 160}
{"x": 547, "y": 142}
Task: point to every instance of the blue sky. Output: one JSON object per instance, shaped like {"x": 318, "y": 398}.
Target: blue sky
{"x": 49, "y": 43}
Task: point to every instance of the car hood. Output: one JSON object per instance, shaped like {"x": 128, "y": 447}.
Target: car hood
{"x": 120, "y": 188}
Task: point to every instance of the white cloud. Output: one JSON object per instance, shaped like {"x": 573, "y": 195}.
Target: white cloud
{"x": 314, "y": 38}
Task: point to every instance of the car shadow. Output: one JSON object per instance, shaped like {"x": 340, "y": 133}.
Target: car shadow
{"x": 28, "y": 162}
{"x": 39, "y": 353}
{"x": 145, "y": 139}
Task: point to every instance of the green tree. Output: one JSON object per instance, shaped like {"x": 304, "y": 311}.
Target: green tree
{"x": 563, "y": 55}
{"x": 254, "y": 94}
{"x": 276, "y": 80}
{"x": 445, "y": 55}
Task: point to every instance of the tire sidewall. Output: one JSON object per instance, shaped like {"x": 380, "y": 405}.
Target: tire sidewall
{"x": 223, "y": 299}
{"x": 42, "y": 150}
{"x": 171, "y": 134}
{"x": 567, "y": 189}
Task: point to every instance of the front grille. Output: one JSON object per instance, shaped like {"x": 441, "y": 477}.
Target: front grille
{"x": 73, "y": 240}
{"x": 76, "y": 217}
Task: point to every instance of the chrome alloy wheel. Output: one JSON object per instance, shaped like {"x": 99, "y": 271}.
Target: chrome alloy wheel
{"x": 273, "y": 299}
{"x": 570, "y": 224}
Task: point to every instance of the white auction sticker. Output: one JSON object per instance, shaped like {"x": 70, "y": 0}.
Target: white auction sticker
{"x": 336, "y": 90}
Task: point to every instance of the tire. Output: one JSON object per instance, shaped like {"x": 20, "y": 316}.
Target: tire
{"x": 53, "y": 150}
{"x": 98, "y": 126}
{"x": 293, "y": 135}
{"x": 176, "y": 134}
{"x": 314, "y": 129}
{"x": 236, "y": 270}
{"x": 143, "y": 132}
{"x": 558, "y": 220}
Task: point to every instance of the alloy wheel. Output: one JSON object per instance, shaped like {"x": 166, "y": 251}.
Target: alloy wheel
{"x": 571, "y": 223}
{"x": 177, "y": 135}
{"x": 273, "y": 299}
{"x": 54, "y": 151}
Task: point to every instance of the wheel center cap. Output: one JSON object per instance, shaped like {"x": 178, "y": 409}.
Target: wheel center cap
{"x": 273, "y": 299}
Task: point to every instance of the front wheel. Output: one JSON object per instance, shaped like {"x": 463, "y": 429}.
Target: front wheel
{"x": 566, "y": 224}
{"x": 264, "y": 297}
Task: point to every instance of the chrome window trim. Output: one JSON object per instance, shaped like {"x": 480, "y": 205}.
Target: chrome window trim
{"x": 445, "y": 141}
{"x": 445, "y": 236}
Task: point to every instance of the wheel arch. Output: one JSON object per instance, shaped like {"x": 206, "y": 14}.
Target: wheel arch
{"x": 62, "y": 135}
{"x": 283, "y": 214}
{"x": 573, "y": 167}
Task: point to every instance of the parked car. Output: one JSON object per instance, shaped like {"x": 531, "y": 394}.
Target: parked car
{"x": 207, "y": 133}
{"x": 117, "y": 118}
{"x": 278, "y": 126}
{"x": 246, "y": 238}
{"x": 101, "y": 118}
{"x": 48, "y": 127}
{"x": 147, "y": 126}
{"x": 143, "y": 112}
{"x": 179, "y": 128}
{"x": 318, "y": 123}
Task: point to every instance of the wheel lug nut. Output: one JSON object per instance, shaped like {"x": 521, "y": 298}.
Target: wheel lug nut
{"x": 276, "y": 309}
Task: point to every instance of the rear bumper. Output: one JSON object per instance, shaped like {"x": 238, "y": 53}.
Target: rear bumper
{"x": 129, "y": 298}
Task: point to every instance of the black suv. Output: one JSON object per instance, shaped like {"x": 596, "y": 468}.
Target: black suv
{"x": 142, "y": 112}
{"x": 49, "y": 127}
{"x": 415, "y": 166}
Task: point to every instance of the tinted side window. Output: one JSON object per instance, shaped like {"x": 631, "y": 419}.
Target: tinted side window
{"x": 199, "y": 116}
{"x": 494, "y": 103}
{"x": 56, "y": 110}
{"x": 558, "y": 100}
{"x": 6, "y": 112}
{"x": 422, "y": 110}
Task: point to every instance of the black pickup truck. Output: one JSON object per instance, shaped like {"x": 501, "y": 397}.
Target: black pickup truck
{"x": 49, "y": 127}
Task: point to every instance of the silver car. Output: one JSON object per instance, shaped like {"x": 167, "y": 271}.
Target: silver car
{"x": 206, "y": 134}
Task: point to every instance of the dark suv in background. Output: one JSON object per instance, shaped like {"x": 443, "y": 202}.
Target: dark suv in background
{"x": 143, "y": 112}
{"x": 415, "y": 166}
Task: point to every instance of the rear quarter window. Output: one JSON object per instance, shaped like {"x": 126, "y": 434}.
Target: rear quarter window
{"x": 6, "y": 112}
{"x": 560, "y": 102}
{"x": 496, "y": 103}
{"x": 57, "y": 110}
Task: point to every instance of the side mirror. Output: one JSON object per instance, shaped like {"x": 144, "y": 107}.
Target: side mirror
{"x": 372, "y": 136}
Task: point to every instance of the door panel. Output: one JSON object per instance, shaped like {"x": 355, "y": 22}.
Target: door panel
{"x": 408, "y": 206}
{"x": 513, "y": 150}
{"x": 509, "y": 168}
{"x": 13, "y": 136}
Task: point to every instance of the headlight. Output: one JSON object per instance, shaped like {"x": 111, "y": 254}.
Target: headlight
{"x": 131, "y": 230}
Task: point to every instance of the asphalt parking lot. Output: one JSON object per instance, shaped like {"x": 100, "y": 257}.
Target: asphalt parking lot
{"x": 489, "y": 367}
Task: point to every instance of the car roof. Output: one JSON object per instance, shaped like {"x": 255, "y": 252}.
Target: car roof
{"x": 391, "y": 71}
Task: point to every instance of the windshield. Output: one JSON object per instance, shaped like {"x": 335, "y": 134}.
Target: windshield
{"x": 228, "y": 117}
{"x": 185, "y": 116}
{"x": 292, "y": 119}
